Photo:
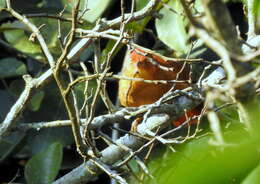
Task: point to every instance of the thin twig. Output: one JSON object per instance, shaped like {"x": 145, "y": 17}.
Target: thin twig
{"x": 46, "y": 15}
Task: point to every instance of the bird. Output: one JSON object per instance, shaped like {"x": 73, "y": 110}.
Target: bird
{"x": 144, "y": 64}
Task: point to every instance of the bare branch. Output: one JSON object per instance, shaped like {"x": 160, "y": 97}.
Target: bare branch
{"x": 113, "y": 153}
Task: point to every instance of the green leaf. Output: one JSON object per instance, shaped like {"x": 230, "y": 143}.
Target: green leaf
{"x": 256, "y": 7}
{"x": 253, "y": 177}
{"x": 171, "y": 28}
{"x": 44, "y": 166}
{"x": 51, "y": 108}
{"x": 2, "y": 4}
{"x": 200, "y": 162}
{"x": 36, "y": 101}
{"x": 87, "y": 53}
{"x": 6, "y": 99}
{"x": 95, "y": 8}
{"x": 16, "y": 87}
{"x": 40, "y": 139}
{"x": 134, "y": 166}
{"x": 9, "y": 143}
{"x": 20, "y": 40}
{"x": 109, "y": 46}
{"x": 11, "y": 67}
{"x": 138, "y": 26}
{"x": 141, "y": 4}
{"x": 256, "y": 10}
{"x": 52, "y": 4}
{"x": 80, "y": 88}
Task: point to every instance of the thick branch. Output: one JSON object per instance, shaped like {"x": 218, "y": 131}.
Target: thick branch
{"x": 160, "y": 116}
{"x": 114, "y": 152}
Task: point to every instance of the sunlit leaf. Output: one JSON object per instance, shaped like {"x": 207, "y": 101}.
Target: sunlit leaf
{"x": 171, "y": 28}
{"x": 2, "y": 4}
{"x": 256, "y": 10}
{"x": 20, "y": 37}
{"x": 141, "y": 4}
{"x": 253, "y": 177}
{"x": 20, "y": 40}
{"x": 139, "y": 26}
{"x": 94, "y": 8}
{"x": 200, "y": 162}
